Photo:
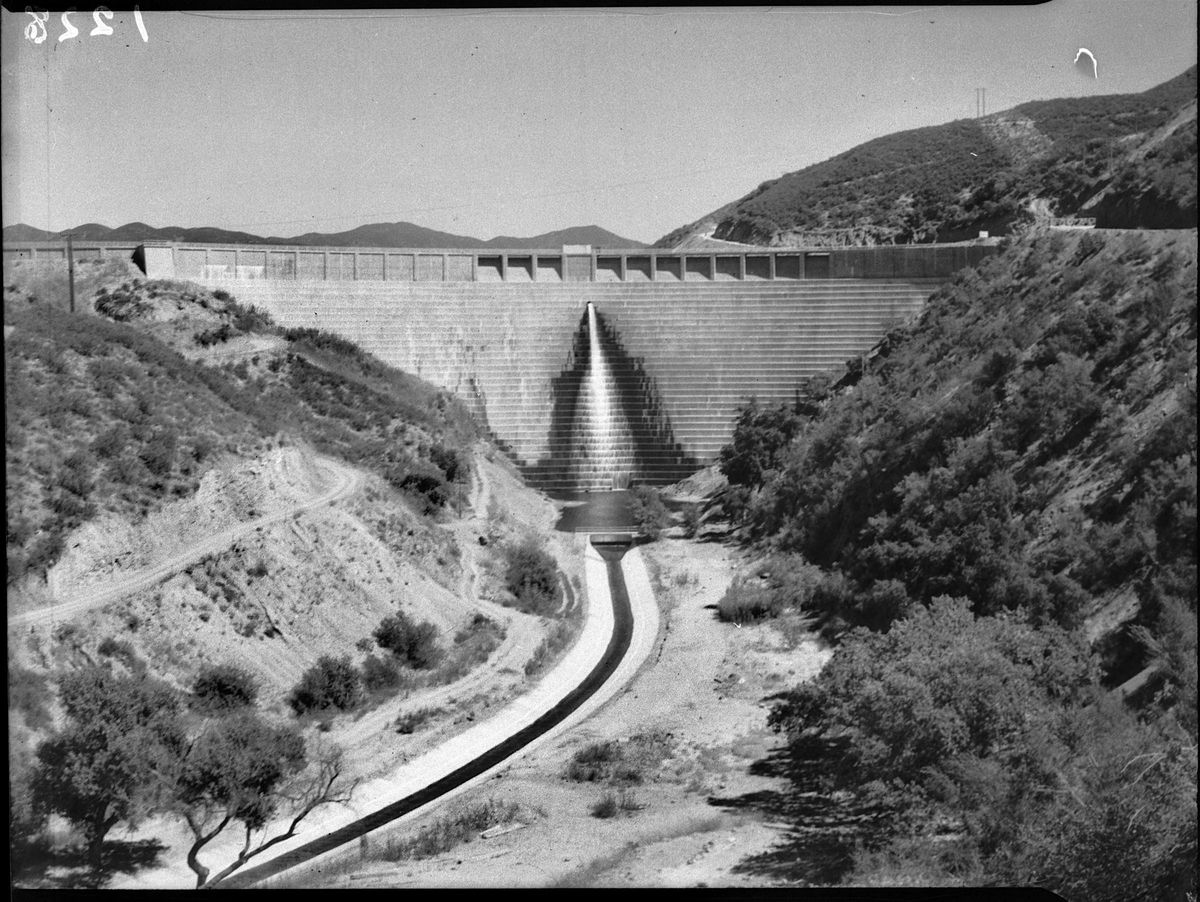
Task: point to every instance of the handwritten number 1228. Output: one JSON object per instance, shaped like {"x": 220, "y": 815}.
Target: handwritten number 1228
{"x": 36, "y": 30}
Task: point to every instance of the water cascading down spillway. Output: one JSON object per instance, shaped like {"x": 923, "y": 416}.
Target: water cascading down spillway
{"x": 606, "y": 443}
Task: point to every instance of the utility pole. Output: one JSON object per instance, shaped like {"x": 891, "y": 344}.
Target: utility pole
{"x": 71, "y": 269}
{"x": 980, "y": 102}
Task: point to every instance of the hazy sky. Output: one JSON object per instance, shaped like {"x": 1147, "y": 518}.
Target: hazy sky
{"x": 514, "y": 122}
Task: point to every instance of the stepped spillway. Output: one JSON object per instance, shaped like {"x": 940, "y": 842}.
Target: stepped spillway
{"x": 682, "y": 355}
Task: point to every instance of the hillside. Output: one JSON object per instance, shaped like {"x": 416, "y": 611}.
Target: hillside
{"x": 995, "y": 519}
{"x": 189, "y": 487}
{"x": 1054, "y": 390}
{"x": 382, "y": 234}
{"x": 102, "y": 416}
{"x": 1127, "y": 159}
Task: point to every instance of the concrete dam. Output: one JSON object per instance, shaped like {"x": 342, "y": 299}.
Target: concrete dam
{"x": 667, "y": 343}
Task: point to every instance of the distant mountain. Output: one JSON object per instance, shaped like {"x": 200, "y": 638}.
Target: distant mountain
{"x": 22, "y": 232}
{"x": 1127, "y": 159}
{"x": 140, "y": 231}
{"x": 382, "y": 234}
{"x": 592, "y": 234}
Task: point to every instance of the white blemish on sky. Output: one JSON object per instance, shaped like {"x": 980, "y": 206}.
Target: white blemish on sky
{"x": 1083, "y": 51}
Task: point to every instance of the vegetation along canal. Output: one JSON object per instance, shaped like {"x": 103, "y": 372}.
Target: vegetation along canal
{"x": 612, "y": 549}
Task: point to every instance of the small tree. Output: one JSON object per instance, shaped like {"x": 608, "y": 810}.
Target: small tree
{"x": 760, "y": 437}
{"x": 942, "y": 683}
{"x": 381, "y": 674}
{"x": 107, "y": 764}
{"x": 158, "y": 454}
{"x": 413, "y": 643}
{"x": 25, "y": 818}
{"x": 330, "y": 683}
{"x": 649, "y": 512}
{"x": 224, "y": 687}
{"x": 532, "y": 577}
{"x": 245, "y": 770}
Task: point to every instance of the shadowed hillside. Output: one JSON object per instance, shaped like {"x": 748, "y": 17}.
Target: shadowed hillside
{"x": 995, "y": 518}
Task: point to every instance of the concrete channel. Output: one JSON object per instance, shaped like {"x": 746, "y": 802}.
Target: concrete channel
{"x": 611, "y": 548}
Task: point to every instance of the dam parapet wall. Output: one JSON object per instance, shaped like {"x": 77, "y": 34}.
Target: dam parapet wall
{"x": 579, "y": 263}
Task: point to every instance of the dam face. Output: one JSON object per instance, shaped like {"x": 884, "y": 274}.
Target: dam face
{"x": 674, "y": 341}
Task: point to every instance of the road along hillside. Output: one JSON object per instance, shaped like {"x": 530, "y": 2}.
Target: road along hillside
{"x": 342, "y": 482}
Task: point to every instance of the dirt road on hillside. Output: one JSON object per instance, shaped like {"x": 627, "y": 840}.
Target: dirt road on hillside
{"x": 345, "y": 482}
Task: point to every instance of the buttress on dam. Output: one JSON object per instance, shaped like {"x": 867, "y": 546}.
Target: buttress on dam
{"x": 594, "y": 368}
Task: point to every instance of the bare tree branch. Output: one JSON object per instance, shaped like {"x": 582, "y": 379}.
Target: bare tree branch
{"x": 307, "y": 793}
{"x": 197, "y": 827}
